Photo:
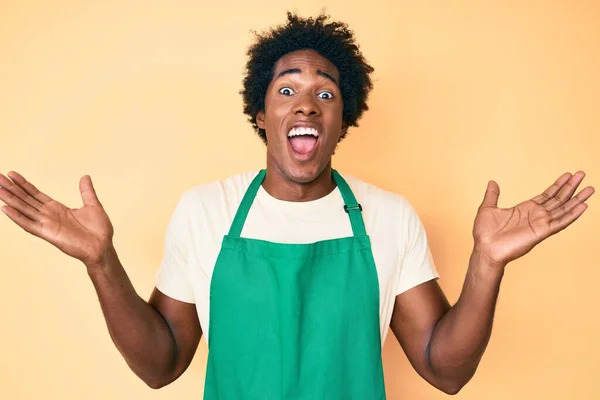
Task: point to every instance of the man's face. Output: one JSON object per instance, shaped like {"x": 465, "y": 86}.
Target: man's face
{"x": 302, "y": 116}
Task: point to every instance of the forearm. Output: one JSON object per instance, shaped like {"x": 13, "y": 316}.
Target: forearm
{"x": 461, "y": 336}
{"x": 138, "y": 330}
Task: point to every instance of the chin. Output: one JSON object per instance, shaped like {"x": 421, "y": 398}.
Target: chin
{"x": 303, "y": 174}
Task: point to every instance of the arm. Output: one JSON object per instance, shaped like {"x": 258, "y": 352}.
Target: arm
{"x": 157, "y": 339}
{"x": 445, "y": 344}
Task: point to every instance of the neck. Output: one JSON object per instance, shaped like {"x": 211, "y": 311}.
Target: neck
{"x": 281, "y": 187}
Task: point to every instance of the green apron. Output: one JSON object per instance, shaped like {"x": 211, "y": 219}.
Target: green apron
{"x": 295, "y": 321}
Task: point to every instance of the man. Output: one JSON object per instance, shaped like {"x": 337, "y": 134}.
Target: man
{"x": 296, "y": 272}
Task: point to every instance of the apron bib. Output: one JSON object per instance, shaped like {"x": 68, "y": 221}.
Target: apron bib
{"x": 295, "y": 321}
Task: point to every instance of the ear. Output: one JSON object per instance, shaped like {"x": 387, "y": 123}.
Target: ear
{"x": 260, "y": 119}
{"x": 343, "y": 132}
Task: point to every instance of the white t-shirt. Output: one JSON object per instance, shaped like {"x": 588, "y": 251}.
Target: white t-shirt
{"x": 204, "y": 215}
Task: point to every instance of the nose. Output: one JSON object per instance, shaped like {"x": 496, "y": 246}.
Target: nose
{"x": 307, "y": 105}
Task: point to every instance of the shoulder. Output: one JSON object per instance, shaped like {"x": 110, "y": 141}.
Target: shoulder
{"x": 375, "y": 197}
{"x": 229, "y": 190}
{"x": 386, "y": 213}
{"x": 205, "y": 211}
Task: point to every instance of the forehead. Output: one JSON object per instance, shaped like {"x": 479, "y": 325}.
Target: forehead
{"x": 307, "y": 61}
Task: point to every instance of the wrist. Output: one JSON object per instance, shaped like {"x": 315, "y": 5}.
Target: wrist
{"x": 483, "y": 268}
{"x": 104, "y": 262}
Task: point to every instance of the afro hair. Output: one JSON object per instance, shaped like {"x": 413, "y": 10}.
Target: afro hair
{"x": 332, "y": 40}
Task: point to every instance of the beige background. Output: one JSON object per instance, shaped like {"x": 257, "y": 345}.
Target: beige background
{"x": 143, "y": 95}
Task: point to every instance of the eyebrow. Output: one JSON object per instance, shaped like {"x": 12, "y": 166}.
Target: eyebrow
{"x": 299, "y": 71}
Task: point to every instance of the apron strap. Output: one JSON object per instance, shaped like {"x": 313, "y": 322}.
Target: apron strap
{"x": 351, "y": 206}
{"x": 242, "y": 212}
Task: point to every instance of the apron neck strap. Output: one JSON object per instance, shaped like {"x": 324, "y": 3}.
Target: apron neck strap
{"x": 242, "y": 212}
{"x": 351, "y": 206}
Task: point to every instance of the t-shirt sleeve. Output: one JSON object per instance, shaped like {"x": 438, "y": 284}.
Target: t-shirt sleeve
{"x": 416, "y": 265}
{"x": 172, "y": 278}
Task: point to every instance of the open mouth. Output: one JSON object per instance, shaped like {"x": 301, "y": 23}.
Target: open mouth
{"x": 303, "y": 141}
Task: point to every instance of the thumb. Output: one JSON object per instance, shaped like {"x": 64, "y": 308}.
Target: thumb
{"x": 88, "y": 194}
{"x": 491, "y": 195}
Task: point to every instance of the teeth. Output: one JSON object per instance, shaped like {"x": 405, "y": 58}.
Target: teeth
{"x": 303, "y": 131}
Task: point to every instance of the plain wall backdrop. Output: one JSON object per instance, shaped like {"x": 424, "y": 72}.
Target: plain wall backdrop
{"x": 143, "y": 96}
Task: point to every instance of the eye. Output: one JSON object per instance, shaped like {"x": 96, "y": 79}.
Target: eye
{"x": 286, "y": 91}
{"x": 325, "y": 95}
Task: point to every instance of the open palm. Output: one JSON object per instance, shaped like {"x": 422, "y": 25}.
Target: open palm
{"x": 505, "y": 234}
{"x": 83, "y": 233}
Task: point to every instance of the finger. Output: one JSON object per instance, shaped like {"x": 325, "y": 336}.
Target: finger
{"x": 21, "y": 220}
{"x": 15, "y": 190}
{"x": 561, "y": 223}
{"x": 19, "y": 205}
{"x": 565, "y": 193}
{"x": 28, "y": 187}
{"x": 88, "y": 193}
{"x": 552, "y": 190}
{"x": 492, "y": 193}
{"x": 581, "y": 197}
